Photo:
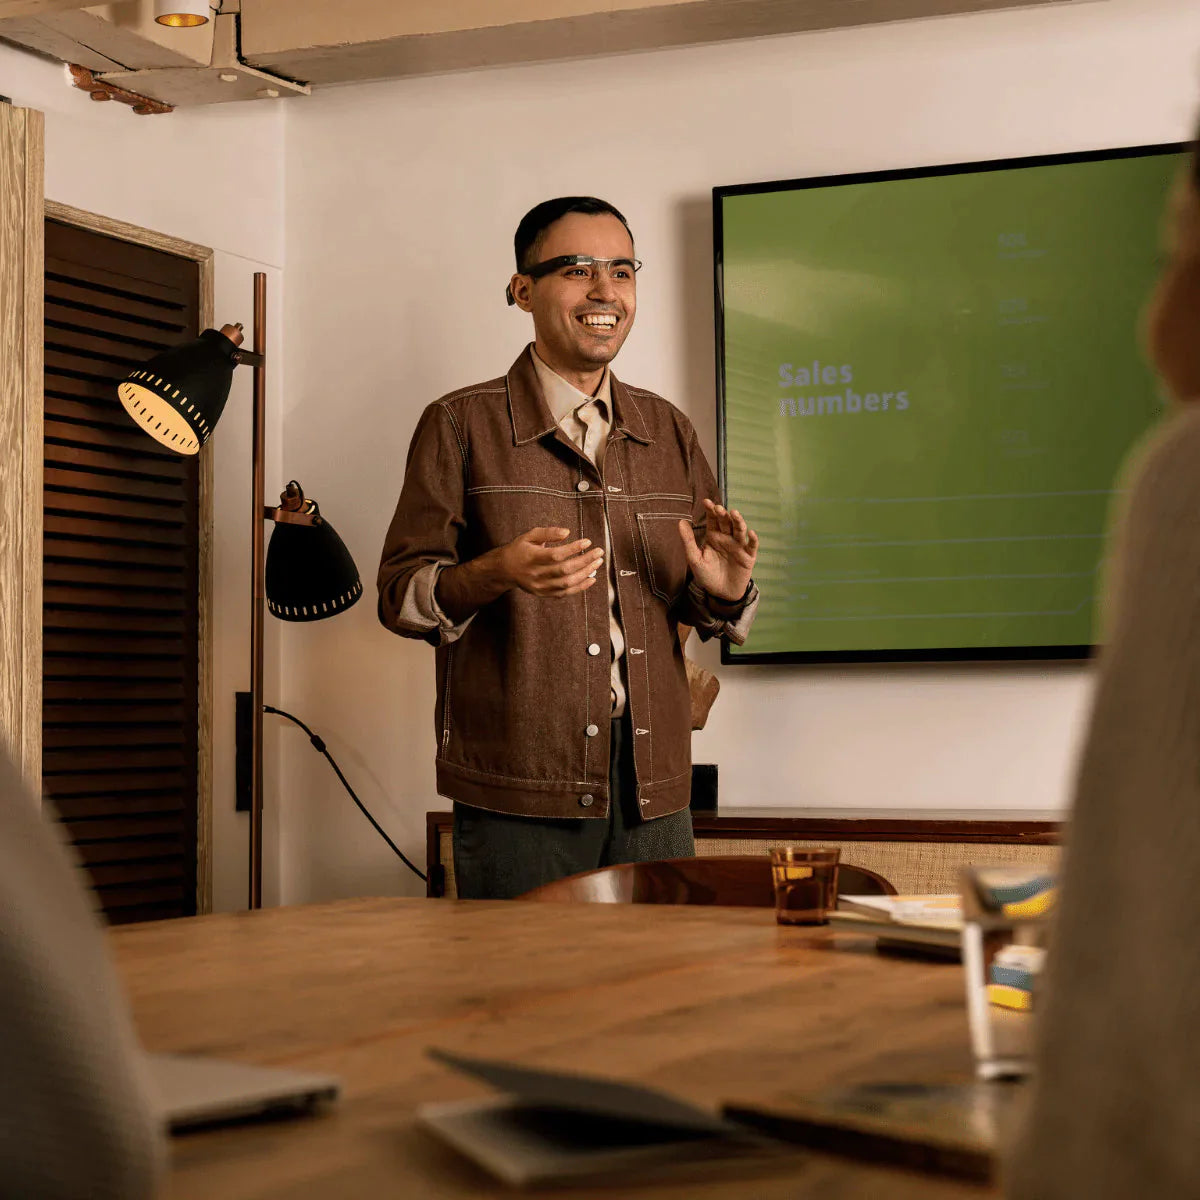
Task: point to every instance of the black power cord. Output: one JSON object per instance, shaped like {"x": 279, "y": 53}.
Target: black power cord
{"x": 319, "y": 744}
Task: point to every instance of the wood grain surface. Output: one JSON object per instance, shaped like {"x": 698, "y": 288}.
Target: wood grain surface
{"x": 710, "y": 1004}
{"x": 21, "y": 170}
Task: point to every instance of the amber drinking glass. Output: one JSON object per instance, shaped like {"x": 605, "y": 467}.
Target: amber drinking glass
{"x": 805, "y": 880}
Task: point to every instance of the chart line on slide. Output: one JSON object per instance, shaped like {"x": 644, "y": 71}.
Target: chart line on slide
{"x": 965, "y": 496}
{"x": 800, "y": 579}
{"x": 1020, "y": 537}
{"x": 938, "y": 616}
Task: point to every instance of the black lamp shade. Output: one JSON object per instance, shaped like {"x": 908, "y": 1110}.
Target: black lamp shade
{"x": 179, "y": 394}
{"x": 310, "y": 573}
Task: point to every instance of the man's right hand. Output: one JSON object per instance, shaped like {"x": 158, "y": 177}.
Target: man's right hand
{"x": 529, "y": 562}
{"x": 535, "y": 566}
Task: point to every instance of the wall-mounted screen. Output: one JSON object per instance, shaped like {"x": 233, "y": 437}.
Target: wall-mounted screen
{"x": 927, "y": 381}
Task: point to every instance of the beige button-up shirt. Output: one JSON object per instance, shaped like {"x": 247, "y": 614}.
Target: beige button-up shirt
{"x": 587, "y": 421}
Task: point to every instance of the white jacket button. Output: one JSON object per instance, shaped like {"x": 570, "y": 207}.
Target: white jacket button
{"x": 594, "y": 649}
{"x": 585, "y": 801}
{"x": 582, "y": 485}
{"x": 592, "y": 730}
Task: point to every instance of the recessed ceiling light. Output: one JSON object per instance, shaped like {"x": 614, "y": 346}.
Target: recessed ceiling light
{"x": 181, "y": 14}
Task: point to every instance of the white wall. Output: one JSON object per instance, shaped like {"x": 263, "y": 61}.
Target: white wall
{"x": 212, "y": 176}
{"x": 402, "y": 198}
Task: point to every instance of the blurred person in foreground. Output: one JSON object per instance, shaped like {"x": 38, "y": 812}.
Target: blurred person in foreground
{"x": 1115, "y": 1107}
{"x": 75, "y": 1117}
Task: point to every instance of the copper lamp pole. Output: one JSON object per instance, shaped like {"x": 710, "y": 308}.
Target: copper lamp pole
{"x": 293, "y": 510}
{"x": 256, "y": 359}
{"x": 258, "y": 590}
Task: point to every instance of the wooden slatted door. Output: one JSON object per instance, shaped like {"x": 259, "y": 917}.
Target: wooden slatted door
{"x": 121, "y": 553}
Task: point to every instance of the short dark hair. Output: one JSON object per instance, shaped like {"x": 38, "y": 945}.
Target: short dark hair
{"x": 538, "y": 219}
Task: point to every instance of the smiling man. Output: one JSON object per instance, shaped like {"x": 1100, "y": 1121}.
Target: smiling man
{"x": 554, "y": 528}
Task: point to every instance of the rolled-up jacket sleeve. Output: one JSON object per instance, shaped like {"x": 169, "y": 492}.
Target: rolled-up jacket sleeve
{"x": 424, "y": 534}
{"x": 709, "y": 616}
{"x": 714, "y": 618}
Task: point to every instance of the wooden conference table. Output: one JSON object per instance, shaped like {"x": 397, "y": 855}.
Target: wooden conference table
{"x": 712, "y": 1004}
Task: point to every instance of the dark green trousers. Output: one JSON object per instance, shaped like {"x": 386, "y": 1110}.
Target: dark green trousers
{"x": 497, "y": 856}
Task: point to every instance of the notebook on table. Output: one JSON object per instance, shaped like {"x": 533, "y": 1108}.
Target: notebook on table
{"x": 558, "y": 1127}
{"x": 929, "y": 924}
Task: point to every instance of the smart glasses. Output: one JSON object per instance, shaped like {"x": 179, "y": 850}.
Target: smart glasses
{"x": 620, "y": 270}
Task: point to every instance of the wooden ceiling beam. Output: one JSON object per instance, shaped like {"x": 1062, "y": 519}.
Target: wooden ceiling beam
{"x": 354, "y": 40}
{"x": 286, "y": 45}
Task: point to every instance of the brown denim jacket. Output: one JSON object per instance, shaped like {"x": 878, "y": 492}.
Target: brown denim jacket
{"x": 523, "y": 697}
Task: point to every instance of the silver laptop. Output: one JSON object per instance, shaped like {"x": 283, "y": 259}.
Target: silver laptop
{"x": 188, "y": 1091}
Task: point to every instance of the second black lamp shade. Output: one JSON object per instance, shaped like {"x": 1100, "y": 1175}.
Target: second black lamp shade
{"x": 310, "y": 573}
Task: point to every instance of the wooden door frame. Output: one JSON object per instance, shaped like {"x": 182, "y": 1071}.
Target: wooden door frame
{"x": 202, "y": 256}
{"x": 22, "y": 272}
{"x": 21, "y": 405}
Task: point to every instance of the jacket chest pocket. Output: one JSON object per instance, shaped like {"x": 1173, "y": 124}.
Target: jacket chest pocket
{"x": 662, "y": 548}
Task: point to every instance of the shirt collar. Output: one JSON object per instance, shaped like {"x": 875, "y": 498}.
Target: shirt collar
{"x": 530, "y": 416}
{"x": 563, "y": 398}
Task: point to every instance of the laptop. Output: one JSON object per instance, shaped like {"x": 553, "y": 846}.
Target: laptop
{"x": 189, "y": 1092}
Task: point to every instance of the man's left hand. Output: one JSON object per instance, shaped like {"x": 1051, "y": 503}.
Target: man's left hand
{"x": 724, "y": 566}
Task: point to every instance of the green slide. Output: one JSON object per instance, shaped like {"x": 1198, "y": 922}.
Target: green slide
{"x": 929, "y": 385}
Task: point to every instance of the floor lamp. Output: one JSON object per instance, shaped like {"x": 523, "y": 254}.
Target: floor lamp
{"x": 307, "y": 573}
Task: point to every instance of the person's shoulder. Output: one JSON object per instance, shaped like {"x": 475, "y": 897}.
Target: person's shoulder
{"x": 646, "y": 396}
{"x": 462, "y": 400}
{"x": 654, "y": 406}
{"x": 659, "y": 414}
{"x": 462, "y": 408}
{"x": 1164, "y": 468}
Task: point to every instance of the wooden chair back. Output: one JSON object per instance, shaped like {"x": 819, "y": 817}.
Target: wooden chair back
{"x": 741, "y": 882}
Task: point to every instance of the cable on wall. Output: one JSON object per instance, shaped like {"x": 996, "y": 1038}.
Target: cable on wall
{"x": 319, "y": 744}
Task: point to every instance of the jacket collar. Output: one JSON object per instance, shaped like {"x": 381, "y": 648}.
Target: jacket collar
{"x": 531, "y": 416}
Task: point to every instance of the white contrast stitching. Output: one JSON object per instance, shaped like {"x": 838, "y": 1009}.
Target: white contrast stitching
{"x": 553, "y": 783}
{"x": 462, "y": 445}
{"x": 573, "y": 494}
{"x": 670, "y": 779}
{"x": 629, "y": 499}
{"x": 446, "y": 701}
{"x": 587, "y": 683}
{"x": 641, "y": 593}
{"x": 472, "y": 390}
{"x": 646, "y": 548}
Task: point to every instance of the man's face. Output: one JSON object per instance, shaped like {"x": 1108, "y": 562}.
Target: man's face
{"x": 1173, "y": 317}
{"x": 581, "y": 315}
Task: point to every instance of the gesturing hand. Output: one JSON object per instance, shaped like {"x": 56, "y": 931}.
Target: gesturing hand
{"x": 533, "y": 565}
{"x": 723, "y": 568}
